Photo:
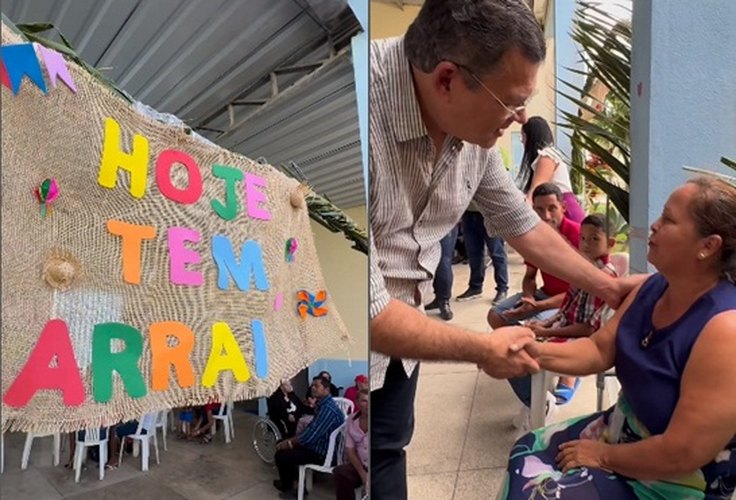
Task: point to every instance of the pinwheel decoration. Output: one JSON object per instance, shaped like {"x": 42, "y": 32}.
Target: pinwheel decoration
{"x": 311, "y": 305}
{"x": 291, "y": 246}
{"x": 46, "y": 193}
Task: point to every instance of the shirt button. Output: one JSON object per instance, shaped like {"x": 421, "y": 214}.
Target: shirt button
{"x": 419, "y": 224}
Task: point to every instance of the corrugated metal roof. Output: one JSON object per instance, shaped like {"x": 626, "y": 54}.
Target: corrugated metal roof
{"x": 194, "y": 58}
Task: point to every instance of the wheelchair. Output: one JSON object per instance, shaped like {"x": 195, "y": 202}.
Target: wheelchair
{"x": 265, "y": 436}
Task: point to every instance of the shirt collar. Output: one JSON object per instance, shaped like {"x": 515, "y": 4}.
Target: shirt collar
{"x": 407, "y": 117}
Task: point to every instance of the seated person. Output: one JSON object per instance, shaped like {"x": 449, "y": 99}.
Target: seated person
{"x": 580, "y": 313}
{"x": 204, "y": 421}
{"x": 351, "y": 393}
{"x": 284, "y": 409}
{"x": 309, "y": 447}
{"x": 672, "y": 433}
{"x": 120, "y": 432}
{"x": 309, "y": 405}
{"x": 354, "y": 472}
{"x": 334, "y": 391}
{"x": 534, "y": 303}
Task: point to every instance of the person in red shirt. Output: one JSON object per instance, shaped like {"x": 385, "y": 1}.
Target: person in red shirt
{"x": 351, "y": 393}
{"x": 534, "y": 303}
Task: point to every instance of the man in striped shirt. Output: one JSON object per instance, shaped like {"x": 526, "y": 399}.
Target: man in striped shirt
{"x": 440, "y": 97}
{"x": 310, "y": 447}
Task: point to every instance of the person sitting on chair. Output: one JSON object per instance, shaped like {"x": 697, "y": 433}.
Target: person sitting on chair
{"x": 284, "y": 409}
{"x": 310, "y": 446}
{"x": 672, "y": 433}
{"x": 351, "y": 393}
{"x": 354, "y": 473}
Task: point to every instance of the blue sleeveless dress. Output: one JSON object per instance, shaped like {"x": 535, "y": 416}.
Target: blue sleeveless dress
{"x": 650, "y": 372}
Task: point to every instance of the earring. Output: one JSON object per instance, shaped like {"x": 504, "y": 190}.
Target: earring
{"x": 701, "y": 255}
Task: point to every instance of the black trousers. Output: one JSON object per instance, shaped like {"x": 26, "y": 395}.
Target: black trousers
{"x": 392, "y": 425}
{"x": 289, "y": 460}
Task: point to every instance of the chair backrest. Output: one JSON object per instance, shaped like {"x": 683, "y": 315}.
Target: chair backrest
{"x": 345, "y": 405}
{"x": 92, "y": 434}
{"x": 228, "y": 405}
{"x": 161, "y": 418}
{"x": 149, "y": 418}
{"x": 337, "y": 445}
{"x": 620, "y": 261}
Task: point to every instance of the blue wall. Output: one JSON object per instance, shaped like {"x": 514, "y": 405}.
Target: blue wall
{"x": 683, "y": 100}
{"x": 566, "y": 56}
{"x": 343, "y": 372}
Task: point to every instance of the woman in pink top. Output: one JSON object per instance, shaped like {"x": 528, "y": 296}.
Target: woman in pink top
{"x": 354, "y": 473}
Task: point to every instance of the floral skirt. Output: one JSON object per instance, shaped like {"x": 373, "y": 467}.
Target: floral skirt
{"x": 533, "y": 474}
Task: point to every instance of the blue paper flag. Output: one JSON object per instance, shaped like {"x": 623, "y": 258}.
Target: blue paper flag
{"x": 20, "y": 60}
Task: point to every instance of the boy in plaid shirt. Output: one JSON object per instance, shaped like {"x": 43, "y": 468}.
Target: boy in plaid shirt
{"x": 580, "y": 313}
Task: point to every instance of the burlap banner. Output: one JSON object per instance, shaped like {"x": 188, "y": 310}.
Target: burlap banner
{"x": 141, "y": 267}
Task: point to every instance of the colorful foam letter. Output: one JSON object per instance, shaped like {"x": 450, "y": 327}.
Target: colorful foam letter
{"x": 163, "y": 356}
{"x": 125, "y": 362}
{"x": 136, "y": 163}
{"x": 180, "y": 256}
{"x": 133, "y": 236}
{"x": 230, "y": 175}
{"x": 260, "y": 347}
{"x": 163, "y": 177}
{"x": 232, "y": 359}
{"x": 54, "y": 342}
{"x": 255, "y": 197}
{"x": 251, "y": 264}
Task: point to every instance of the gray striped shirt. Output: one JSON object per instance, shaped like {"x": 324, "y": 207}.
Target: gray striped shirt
{"x": 415, "y": 200}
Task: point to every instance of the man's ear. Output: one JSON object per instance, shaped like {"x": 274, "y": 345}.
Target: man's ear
{"x": 611, "y": 242}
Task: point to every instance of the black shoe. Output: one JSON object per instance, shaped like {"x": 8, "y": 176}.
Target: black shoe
{"x": 435, "y": 304}
{"x": 445, "y": 311}
{"x": 469, "y": 294}
{"x": 281, "y": 487}
{"x": 500, "y": 296}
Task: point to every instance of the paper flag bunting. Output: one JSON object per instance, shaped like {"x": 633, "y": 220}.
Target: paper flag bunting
{"x": 311, "y": 304}
{"x": 56, "y": 67}
{"x": 20, "y": 60}
{"x": 291, "y": 246}
{"x": 4, "y": 78}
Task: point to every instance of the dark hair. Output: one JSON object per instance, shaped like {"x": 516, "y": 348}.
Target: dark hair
{"x": 546, "y": 189}
{"x": 325, "y": 374}
{"x": 475, "y": 33}
{"x": 713, "y": 209}
{"x": 537, "y": 135}
{"x": 597, "y": 221}
{"x": 323, "y": 381}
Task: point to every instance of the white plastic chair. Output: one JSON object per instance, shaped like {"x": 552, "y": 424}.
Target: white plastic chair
{"x": 227, "y": 420}
{"x": 92, "y": 437}
{"x": 30, "y": 436}
{"x": 2, "y": 452}
{"x": 346, "y": 405}
{"x": 144, "y": 440}
{"x": 161, "y": 421}
{"x": 335, "y": 454}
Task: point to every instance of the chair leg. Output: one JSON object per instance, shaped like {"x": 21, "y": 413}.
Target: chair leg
{"x": 144, "y": 454}
{"x": 2, "y": 453}
{"x": 78, "y": 454}
{"x": 302, "y": 473}
{"x": 103, "y": 459}
{"x": 232, "y": 424}
{"x": 163, "y": 432}
{"x": 227, "y": 430}
{"x": 26, "y": 451}
{"x": 155, "y": 446}
{"x": 57, "y": 449}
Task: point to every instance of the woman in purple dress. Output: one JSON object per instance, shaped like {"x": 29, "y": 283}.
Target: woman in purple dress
{"x": 672, "y": 433}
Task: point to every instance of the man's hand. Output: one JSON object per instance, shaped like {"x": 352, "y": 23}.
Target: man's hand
{"x": 284, "y": 445}
{"x": 540, "y": 330}
{"x": 505, "y": 355}
{"x": 616, "y": 289}
{"x": 524, "y": 307}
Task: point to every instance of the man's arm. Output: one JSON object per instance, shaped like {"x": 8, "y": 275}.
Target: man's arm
{"x": 403, "y": 332}
{"x": 574, "y": 330}
{"x": 545, "y": 247}
{"x": 529, "y": 282}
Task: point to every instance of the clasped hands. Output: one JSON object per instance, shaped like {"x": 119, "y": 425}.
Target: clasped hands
{"x": 510, "y": 352}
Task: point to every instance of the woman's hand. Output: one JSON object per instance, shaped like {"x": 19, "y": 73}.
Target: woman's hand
{"x": 581, "y": 453}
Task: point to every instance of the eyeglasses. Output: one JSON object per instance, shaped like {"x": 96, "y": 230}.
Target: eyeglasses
{"x": 516, "y": 112}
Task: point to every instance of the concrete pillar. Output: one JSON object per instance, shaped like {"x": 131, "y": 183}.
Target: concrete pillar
{"x": 683, "y": 102}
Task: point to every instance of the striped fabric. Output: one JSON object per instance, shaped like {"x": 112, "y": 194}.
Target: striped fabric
{"x": 580, "y": 306}
{"x": 415, "y": 200}
{"x": 327, "y": 417}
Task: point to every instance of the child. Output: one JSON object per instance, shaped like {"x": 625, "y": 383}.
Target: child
{"x": 580, "y": 313}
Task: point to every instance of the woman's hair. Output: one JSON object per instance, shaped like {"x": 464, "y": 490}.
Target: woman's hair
{"x": 714, "y": 213}
{"x": 474, "y": 33}
{"x": 537, "y": 135}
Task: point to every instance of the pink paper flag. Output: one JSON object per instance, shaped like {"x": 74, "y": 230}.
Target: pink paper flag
{"x": 56, "y": 67}
{"x": 4, "y": 78}
{"x": 278, "y": 302}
